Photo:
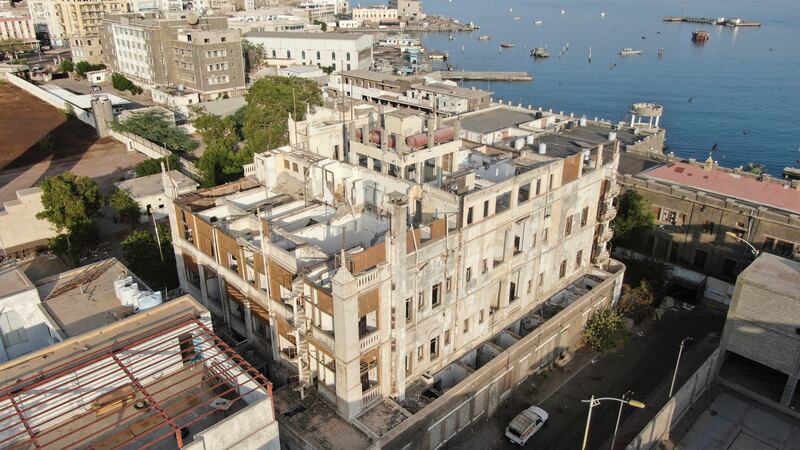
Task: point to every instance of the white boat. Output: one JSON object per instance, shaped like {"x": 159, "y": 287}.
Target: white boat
{"x": 517, "y": 18}
{"x": 537, "y": 22}
{"x": 627, "y": 51}
{"x": 485, "y": 37}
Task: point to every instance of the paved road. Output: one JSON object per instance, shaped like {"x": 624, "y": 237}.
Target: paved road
{"x": 644, "y": 366}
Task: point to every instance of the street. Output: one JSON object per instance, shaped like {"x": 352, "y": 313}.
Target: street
{"x": 644, "y": 365}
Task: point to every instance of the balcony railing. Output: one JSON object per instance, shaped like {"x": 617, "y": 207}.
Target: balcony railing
{"x": 367, "y": 278}
{"x": 323, "y": 337}
{"x": 369, "y": 340}
{"x": 609, "y": 212}
{"x": 370, "y": 395}
{"x": 326, "y": 392}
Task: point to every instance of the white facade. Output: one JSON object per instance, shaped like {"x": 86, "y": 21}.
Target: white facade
{"x": 24, "y": 328}
{"x": 133, "y": 52}
{"x": 16, "y": 26}
{"x": 374, "y": 14}
{"x": 148, "y": 191}
{"x": 19, "y": 228}
{"x": 45, "y": 20}
{"x": 340, "y": 51}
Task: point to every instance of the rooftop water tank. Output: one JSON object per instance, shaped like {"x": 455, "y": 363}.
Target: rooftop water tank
{"x": 583, "y": 121}
{"x": 519, "y": 143}
{"x": 542, "y": 148}
{"x": 127, "y": 294}
{"x": 119, "y": 282}
{"x": 148, "y": 300}
{"x": 612, "y": 136}
{"x": 530, "y": 139}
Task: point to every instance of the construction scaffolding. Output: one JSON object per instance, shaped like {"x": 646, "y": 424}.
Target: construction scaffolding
{"x": 173, "y": 381}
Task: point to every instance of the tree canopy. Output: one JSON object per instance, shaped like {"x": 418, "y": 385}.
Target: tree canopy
{"x": 222, "y": 160}
{"x": 634, "y": 220}
{"x": 637, "y": 302}
{"x": 254, "y": 55}
{"x": 69, "y": 201}
{"x": 121, "y": 83}
{"x": 125, "y": 205}
{"x": 606, "y": 330}
{"x": 151, "y": 166}
{"x": 154, "y": 127}
{"x": 141, "y": 253}
{"x": 83, "y": 67}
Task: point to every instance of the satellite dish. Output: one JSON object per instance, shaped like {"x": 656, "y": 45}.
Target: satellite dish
{"x": 192, "y": 19}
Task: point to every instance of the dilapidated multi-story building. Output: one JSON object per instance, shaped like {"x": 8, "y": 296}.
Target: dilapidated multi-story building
{"x": 379, "y": 251}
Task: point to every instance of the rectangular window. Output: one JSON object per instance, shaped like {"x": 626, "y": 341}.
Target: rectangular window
{"x": 434, "y": 347}
{"x": 562, "y": 270}
{"x": 409, "y": 308}
{"x": 420, "y": 301}
{"x": 579, "y": 258}
{"x": 466, "y": 326}
{"x": 541, "y": 279}
{"x": 480, "y": 316}
{"x": 408, "y": 364}
{"x": 708, "y": 227}
{"x": 538, "y": 186}
{"x": 530, "y": 286}
{"x": 584, "y": 216}
{"x": 446, "y": 337}
{"x": 550, "y": 183}
{"x": 469, "y": 215}
{"x": 568, "y": 226}
{"x": 420, "y": 352}
{"x": 484, "y": 266}
{"x": 544, "y": 234}
{"x": 517, "y": 245}
{"x": 469, "y": 274}
{"x": 700, "y": 257}
{"x": 448, "y": 284}
{"x": 502, "y": 202}
{"x": 436, "y": 299}
{"x": 486, "y": 208}
{"x": 524, "y": 193}
{"x": 286, "y": 164}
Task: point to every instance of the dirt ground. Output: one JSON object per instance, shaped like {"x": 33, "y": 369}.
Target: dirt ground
{"x": 38, "y": 141}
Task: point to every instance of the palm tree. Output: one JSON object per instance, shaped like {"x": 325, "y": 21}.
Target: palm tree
{"x": 755, "y": 168}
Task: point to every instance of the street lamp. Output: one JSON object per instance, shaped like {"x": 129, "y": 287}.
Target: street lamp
{"x": 677, "y": 363}
{"x": 734, "y": 236}
{"x": 596, "y": 401}
{"x": 625, "y": 396}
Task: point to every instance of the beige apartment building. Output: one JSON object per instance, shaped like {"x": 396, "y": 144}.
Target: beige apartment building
{"x": 81, "y": 21}
{"x": 377, "y": 254}
{"x": 198, "y": 54}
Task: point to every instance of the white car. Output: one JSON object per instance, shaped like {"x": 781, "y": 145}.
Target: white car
{"x": 526, "y": 424}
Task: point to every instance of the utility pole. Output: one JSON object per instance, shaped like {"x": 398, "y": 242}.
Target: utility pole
{"x": 677, "y": 363}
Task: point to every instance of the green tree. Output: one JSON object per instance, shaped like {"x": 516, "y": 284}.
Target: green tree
{"x": 14, "y": 46}
{"x": 67, "y": 65}
{"x": 637, "y": 302}
{"x": 606, "y": 330}
{"x": 121, "y": 83}
{"x": 83, "y": 67}
{"x": 151, "y": 166}
{"x": 125, "y": 205}
{"x": 634, "y": 220}
{"x": 140, "y": 250}
{"x": 69, "y": 201}
{"x": 254, "y": 55}
{"x": 222, "y": 159}
{"x": 154, "y": 127}
{"x": 323, "y": 25}
{"x": 756, "y": 168}
{"x": 270, "y": 102}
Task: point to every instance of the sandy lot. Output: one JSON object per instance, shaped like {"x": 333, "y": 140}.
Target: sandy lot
{"x": 69, "y": 145}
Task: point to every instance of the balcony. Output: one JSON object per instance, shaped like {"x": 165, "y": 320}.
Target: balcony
{"x": 608, "y": 233}
{"x": 324, "y": 337}
{"x": 367, "y": 278}
{"x": 370, "y": 395}
{"x": 614, "y": 190}
{"x": 369, "y": 340}
{"x": 327, "y": 392}
{"x": 609, "y": 212}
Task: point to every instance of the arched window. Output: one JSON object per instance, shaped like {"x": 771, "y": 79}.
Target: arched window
{"x": 318, "y": 55}
{"x": 273, "y": 54}
{"x": 333, "y": 56}
{"x": 303, "y": 54}
{"x": 288, "y": 54}
{"x": 347, "y": 56}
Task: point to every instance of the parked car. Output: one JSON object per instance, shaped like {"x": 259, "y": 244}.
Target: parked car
{"x": 526, "y": 424}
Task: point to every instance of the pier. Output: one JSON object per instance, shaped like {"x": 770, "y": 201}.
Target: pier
{"x": 722, "y": 21}
{"x": 460, "y": 75}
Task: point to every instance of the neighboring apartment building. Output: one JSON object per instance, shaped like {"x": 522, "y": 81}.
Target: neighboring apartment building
{"x": 21, "y": 233}
{"x": 374, "y": 14}
{"x": 159, "y": 378}
{"x": 47, "y": 23}
{"x": 408, "y": 9}
{"x": 82, "y": 24}
{"x": 17, "y": 26}
{"x": 342, "y": 51}
{"x": 696, "y": 206}
{"x": 200, "y": 54}
{"x": 318, "y": 11}
{"x": 253, "y": 21}
{"x": 423, "y": 94}
{"x": 369, "y": 269}
{"x": 761, "y": 331}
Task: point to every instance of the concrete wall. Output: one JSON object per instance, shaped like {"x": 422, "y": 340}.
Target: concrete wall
{"x": 19, "y": 228}
{"x": 37, "y": 333}
{"x": 254, "y": 427}
{"x": 54, "y": 100}
{"x": 657, "y": 431}
{"x": 151, "y": 150}
{"x": 483, "y": 391}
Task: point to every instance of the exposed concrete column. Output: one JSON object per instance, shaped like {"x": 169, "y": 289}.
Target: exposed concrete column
{"x": 633, "y": 119}
{"x": 248, "y": 320}
{"x": 347, "y": 346}
{"x": 598, "y": 161}
{"x": 201, "y": 270}
{"x": 396, "y": 255}
{"x": 420, "y": 177}
{"x": 370, "y": 163}
{"x": 657, "y": 119}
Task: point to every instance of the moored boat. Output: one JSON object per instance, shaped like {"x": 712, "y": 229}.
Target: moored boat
{"x": 540, "y": 52}
{"x": 506, "y": 45}
{"x": 700, "y": 36}
{"x": 627, "y": 51}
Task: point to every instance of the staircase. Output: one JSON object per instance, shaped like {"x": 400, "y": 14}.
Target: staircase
{"x": 301, "y": 325}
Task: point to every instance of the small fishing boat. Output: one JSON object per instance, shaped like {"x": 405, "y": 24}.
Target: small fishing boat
{"x": 517, "y": 18}
{"x": 506, "y": 45}
{"x": 538, "y": 22}
{"x": 451, "y": 37}
{"x": 700, "y": 36}
{"x": 540, "y": 52}
{"x": 627, "y": 51}
{"x": 485, "y": 37}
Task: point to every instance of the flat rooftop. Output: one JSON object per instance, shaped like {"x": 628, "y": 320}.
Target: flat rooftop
{"x": 83, "y": 299}
{"x": 373, "y": 76}
{"x": 774, "y": 273}
{"x": 153, "y": 185}
{"x": 13, "y": 281}
{"x": 133, "y": 384}
{"x": 443, "y": 88}
{"x": 304, "y": 35}
{"x": 496, "y": 119}
{"x": 728, "y": 184}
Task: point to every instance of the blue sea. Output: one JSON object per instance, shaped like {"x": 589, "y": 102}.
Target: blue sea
{"x": 740, "y": 90}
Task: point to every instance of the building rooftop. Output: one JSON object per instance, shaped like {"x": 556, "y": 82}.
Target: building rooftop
{"x": 496, "y": 119}
{"x": 775, "y": 274}
{"x": 305, "y": 35}
{"x": 372, "y": 76}
{"x": 83, "y": 299}
{"x": 729, "y": 184}
{"x": 153, "y": 184}
{"x": 135, "y": 383}
{"x": 225, "y": 106}
{"x": 12, "y": 281}
{"x": 456, "y": 91}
